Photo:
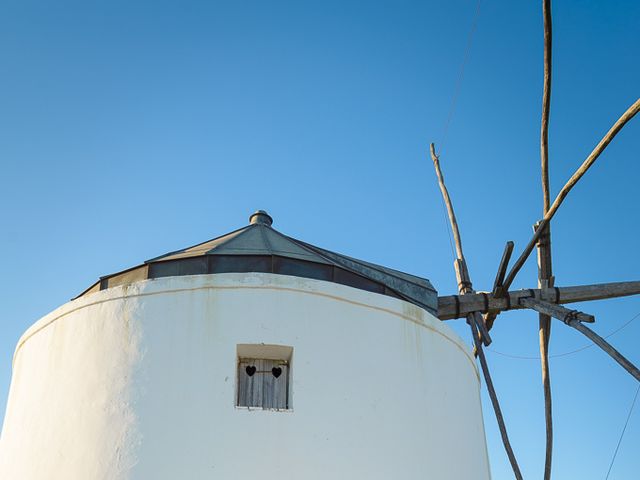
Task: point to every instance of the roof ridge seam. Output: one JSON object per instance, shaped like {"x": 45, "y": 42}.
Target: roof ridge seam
{"x": 379, "y": 269}
{"x": 241, "y": 231}
{"x": 306, "y": 247}
{"x": 265, "y": 239}
{"x": 182, "y": 250}
{"x": 403, "y": 295}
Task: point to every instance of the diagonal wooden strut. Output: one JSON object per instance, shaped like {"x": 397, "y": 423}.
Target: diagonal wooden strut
{"x": 590, "y": 160}
{"x": 498, "y": 283}
{"x": 572, "y": 318}
{"x": 474, "y": 319}
{"x": 606, "y": 346}
{"x": 551, "y": 211}
{"x": 498, "y": 291}
{"x": 556, "y": 311}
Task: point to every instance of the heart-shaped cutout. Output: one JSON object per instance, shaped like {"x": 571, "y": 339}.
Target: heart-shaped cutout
{"x": 250, "y": 370}
{"x": 277, "y": 371}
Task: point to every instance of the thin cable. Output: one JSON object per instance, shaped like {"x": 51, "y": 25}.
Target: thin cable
{"x": 633, "y": 404}
{"x": 456, "y": 91}
{"x": 448, "y": 228}
{"x": 454, "y": 100}
{"x": 570, "y": 352}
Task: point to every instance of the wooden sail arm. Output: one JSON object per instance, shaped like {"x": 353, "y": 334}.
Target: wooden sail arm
{"x": 459, "y": 306}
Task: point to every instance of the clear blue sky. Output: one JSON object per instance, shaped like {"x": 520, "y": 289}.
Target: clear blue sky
{"x": 129, "y": 129}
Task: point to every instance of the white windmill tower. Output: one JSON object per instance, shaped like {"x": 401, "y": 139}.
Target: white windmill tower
{"x": 252, "y": 355}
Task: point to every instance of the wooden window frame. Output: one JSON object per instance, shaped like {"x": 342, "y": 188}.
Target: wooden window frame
{"x": 263, "y": 377}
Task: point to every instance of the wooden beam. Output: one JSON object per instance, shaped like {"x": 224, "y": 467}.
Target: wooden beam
{"x": 498, "y": 284}
{"x": 458, "y": 306}
{"x": 556, "y": 311}
{"x": 600, "y": 291}
{"x": 502, "y": 269}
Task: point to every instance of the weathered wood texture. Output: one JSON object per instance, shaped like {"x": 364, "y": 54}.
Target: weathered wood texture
{"x": 458, "y": 306}
{"x": 546, "y": 103}
{"x": 262, "y": 389}
{"x": 545, "y": 280}
{"x": 502, "y": 270}
{"x": 498, "y": 284}
{"x": 447, "y": 200}
{"x": 556, "y": 311}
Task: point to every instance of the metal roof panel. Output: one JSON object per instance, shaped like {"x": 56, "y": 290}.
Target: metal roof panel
{"x": 259, "y": 238}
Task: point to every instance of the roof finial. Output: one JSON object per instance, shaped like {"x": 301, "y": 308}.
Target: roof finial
{"x": 261, "y": 217}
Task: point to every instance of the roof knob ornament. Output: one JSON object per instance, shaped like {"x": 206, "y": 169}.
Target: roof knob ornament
{"x": 261, "y": 217}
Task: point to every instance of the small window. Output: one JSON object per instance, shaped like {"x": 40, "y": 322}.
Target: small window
{"x": 264, "y": 375}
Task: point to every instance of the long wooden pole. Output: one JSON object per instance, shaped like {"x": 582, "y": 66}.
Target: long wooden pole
{"x": 590, "y": 160}
{"x": 546, "y": 105}
{"x": 474, "y": 319}
{"x": 545, "y": 274}
{"x": 447, "y": 200}
{"x": 458, "y": 306}
{"x": 494, "y": 397}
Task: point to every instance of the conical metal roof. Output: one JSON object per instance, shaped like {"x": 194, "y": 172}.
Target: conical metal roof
{"x": 259, "y": 247}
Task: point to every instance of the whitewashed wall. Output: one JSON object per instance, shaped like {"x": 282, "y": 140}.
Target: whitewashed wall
{"x": 138, "y": 383}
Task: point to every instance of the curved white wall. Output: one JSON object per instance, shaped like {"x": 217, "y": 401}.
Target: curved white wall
{"x": 138, "y": 383}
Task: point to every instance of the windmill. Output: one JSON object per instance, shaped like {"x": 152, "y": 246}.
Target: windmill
{"x": 481, "y": 309}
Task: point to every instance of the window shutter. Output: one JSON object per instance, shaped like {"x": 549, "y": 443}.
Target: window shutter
{"x": 263, "y": 383}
